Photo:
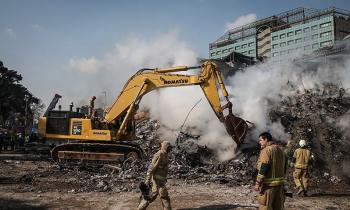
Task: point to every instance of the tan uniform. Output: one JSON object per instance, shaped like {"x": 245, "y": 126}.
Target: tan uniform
{"x": 301, "y": 174}
{"x": 271, "y": 166}
{"x": 157, "y": 173}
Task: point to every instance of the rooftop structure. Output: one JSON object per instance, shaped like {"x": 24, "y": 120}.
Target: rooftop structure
{"x": 301, "y": 30}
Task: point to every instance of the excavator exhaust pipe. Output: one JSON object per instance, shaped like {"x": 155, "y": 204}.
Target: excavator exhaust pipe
{"x": 236, "y": 127}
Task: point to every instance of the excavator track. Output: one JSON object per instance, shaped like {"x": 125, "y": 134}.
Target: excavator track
{"x": 103, "y": 152}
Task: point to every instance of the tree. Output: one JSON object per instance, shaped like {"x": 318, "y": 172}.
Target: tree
{"x": 15, "y": 99}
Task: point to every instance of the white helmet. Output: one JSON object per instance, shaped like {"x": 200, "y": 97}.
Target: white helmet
{"x": 302, "y": 143}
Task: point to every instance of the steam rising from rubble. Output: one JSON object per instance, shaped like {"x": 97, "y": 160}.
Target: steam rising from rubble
{"x": 171, "y": 106}
{"x": 260, "y": 87}
{"x": 344, "y": 124}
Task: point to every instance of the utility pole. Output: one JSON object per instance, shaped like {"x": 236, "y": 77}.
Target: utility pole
{"x": 26, "y": 97}
{"x": 105, "y": 102}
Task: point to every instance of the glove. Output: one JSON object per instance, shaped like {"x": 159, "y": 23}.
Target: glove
{"x": 257, "y": 186}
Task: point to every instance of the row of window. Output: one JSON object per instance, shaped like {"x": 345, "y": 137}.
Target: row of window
{"x": 236, "y": 48}
{"x": 223, "y": 51}
{"x": 306, "y": 47}
{"x": 229, "y": 50}
{"x": 248, "y": 52}
{"x": 299, "y": 40}
{"x": 299, "y": 31}
{"x": 250, "y": 44}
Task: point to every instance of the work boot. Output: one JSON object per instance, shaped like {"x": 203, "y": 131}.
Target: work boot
{"x": 300, "y": 191}
{"x": 305, "y": 193}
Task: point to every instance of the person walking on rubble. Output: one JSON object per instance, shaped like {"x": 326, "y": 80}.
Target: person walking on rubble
{"x": 157, "y": 175}
{"x": 301, "y": 159}
{"x": 271, "y": 168}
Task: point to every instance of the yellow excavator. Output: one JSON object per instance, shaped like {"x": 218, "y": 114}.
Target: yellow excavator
{"x": 84, "y": 137}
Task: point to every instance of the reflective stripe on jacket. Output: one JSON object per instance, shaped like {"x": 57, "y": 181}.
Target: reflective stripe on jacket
{"x": 275, "y": 157}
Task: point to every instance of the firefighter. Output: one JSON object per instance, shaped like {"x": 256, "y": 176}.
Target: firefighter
{"x": 157, "y": 175}
{"x": 271, "y": 168}
{"x": 301, "y": 159}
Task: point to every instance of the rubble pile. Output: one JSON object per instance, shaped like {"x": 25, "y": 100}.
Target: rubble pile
{"x": 314, "y": 115}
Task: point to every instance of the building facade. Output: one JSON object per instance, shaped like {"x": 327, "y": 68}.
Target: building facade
{"x": 298, "y": 31}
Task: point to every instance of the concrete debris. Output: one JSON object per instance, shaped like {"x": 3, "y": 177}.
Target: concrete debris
{"x": 312, "y": 115}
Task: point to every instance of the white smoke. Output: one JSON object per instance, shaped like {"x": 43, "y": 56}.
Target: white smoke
{"x": 240, "y": 21}
{"x": 252, "y": 92}
{"x": 259, "y": 87}
{"x": 135, "y": 53}
{"x": 344, "y": 124}
{"x": 172, "y": 105}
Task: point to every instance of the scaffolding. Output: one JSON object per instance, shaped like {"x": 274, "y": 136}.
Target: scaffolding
{"x": 278, "y": 22}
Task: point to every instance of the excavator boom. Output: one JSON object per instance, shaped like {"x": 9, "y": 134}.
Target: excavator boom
{"x": 108, "y": 139}
{"x": 147, "y": 80}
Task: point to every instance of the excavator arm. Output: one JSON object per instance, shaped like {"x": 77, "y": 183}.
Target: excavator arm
{"x": 147, "y": 80}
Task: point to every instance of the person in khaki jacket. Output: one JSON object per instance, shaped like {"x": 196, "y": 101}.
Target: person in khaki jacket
{"x": 301, "y": 158}
{"x": 157, "y": 175}
{"x": 271, "y": 167}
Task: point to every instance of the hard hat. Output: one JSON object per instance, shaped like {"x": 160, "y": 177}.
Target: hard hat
{"x": 302, "y": 143}
{"x": 165, "y": 145}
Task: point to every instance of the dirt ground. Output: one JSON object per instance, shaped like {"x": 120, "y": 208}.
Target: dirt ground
{"x": 21, "y": 189}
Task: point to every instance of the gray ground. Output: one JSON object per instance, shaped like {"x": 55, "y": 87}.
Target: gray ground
{"x": 18, "y": 191}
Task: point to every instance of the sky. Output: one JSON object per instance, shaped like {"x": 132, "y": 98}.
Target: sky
{"x": 81, "y": 49}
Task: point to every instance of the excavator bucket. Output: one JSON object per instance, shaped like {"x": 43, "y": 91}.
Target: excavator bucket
{"x": 236, "y": 127}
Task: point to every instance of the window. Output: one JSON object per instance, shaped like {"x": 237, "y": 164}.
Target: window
{"x": 251, "y": 51}
{"x": 290, "y": 42}
{"x": 237, "y": 47}
{"x": 224, "y": 51}
{"x": 282, "y": 36}
{"x": 313, "y": 28}
{"x": 244, "y": 46}
{"x": 275, "y": 54}
{"x": 274, "y": 46}
{"x": 218, "y": 52}
{"x": 251, "y": 44}
{"x": 315, "y": 36}
{"x": 307, "y": 38}
{"x": 283, "y": 52}
{"x": 325, "y": 34}
{"x": 298, "y": 40}
{"x": 283, "y": 44}
{"x": 230, "y": 49}
{"x": 212, "y": 54}
{"x": 306, "y": 30}
{"x": 298, "y": 32}
{"x": 315, "y": 46}
{"x": 245, "y": 52}
{"x": 327, "y": 43}
{"x": 290, "y": 34}
{"x": 274, "y": 38}
{"x": 324, "y": 25}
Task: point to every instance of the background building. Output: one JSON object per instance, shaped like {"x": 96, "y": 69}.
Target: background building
{"x": 301, "y": 30}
